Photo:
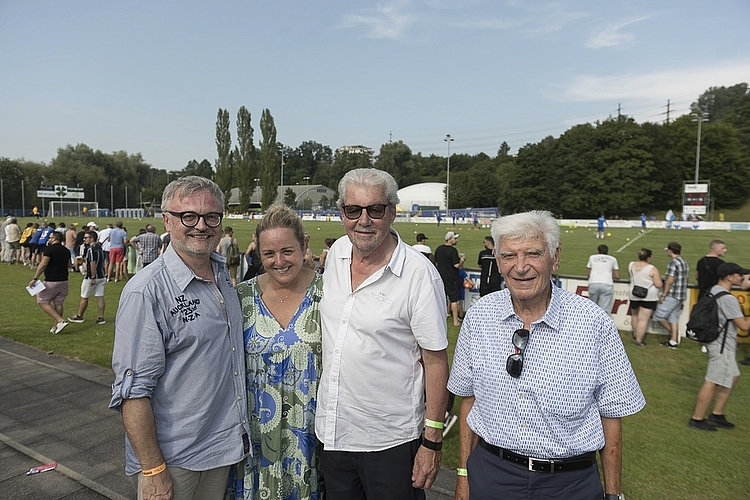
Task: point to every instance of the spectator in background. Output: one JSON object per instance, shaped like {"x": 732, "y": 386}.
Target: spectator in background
{"x": 492, "y": 280}
{"x": 421, "y": 244}
{"x": 13, "y": 240}
{"x": 705, "y": 269}
{"x": 310, "y": 258}
{"x": 674, "y": 294}
{"x": 448, "y": 262}
{"x": 722, "y": 373}
{"x": 34, "y": 248}
{"x": 147, "y": 245}
{"x": 104, "y": 240}
{"x": 644, "y": 274}
{"x": 229, "y": 249}
{"x": 54, "y": 265}
{"x": 25, "y": 241}
{"x": 70, "y": 244}
{"x": 643, "y": 223}
{"x": 602, "y": 270}
{"x": 324, "y": 254}
{"x": 93, "y": 279}
{"x": 116, "y": 240}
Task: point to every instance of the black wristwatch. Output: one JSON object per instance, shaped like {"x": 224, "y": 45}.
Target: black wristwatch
{"x": 431, "y": 445}
{"x": 612, "y": 496}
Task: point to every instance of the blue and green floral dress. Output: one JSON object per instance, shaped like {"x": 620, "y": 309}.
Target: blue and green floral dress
{"x": 283, "y": 368}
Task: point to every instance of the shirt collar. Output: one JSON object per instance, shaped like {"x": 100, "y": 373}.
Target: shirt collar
{"x": 398, "y": 257}
{"x": 179, "y": 271}
{"x": 551, "y": 316}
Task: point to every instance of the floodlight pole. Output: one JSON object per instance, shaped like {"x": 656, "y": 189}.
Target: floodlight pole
{"x": 700, "y": 119}
{"x": 448, "y": 139}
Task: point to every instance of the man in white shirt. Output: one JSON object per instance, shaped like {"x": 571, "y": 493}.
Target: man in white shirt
{"x": 421, "y": 245}
{"x": 384, "y": 338}
{"x": 602, "y": 270}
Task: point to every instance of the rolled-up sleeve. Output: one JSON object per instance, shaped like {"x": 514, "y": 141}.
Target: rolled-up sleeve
{"x": 138, "y": 357}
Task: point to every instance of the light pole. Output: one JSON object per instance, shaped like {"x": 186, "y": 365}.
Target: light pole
{"x": 448, "y": 139}
{"x": 282, "y": 169}
{"x": 307, "y": 180}
{"x": 700, "y": 118}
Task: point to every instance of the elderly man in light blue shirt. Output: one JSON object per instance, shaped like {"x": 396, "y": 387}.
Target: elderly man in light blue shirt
{"x": 544, "y": 379}
{"x": 178, "y": 357}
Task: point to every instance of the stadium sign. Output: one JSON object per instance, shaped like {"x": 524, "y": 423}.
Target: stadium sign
{"x": 695, "y": 199}
{"x": 60, "y": 191}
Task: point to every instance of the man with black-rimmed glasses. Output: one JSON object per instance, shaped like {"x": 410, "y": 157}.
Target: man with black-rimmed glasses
{"x": 544, "y": 379}
{"x": 179, "y": 357}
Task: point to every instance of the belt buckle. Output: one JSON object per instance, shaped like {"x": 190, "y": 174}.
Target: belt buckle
{"x": 540, "y": 461}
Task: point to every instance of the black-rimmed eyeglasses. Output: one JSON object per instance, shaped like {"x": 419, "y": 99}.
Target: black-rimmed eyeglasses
{"x": 354, "y": 212}
{"x": 191, "y": 219}
{"x": 514, "y": 364}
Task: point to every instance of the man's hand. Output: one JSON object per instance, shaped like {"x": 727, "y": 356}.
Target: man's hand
{"x": 158, "y": 487}
{"x": 426, "y": 467}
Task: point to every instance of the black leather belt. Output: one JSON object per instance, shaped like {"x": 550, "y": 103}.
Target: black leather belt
{"x": 540, "y": 465}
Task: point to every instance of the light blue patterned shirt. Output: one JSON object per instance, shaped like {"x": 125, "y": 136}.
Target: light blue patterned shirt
{"x": 178, "y": 342}
{"x": 575, "y": 371}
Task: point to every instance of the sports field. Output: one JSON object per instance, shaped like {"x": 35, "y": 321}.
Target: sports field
{"x": 663, "y": 458}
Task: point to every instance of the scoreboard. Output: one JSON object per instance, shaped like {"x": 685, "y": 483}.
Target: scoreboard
{"x": 695, "y": 199}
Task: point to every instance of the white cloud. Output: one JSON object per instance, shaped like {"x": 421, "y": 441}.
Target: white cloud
{"x": 388, "y": 21}
{"x": 612, "y": 35}
{"x": 657, "y": 85}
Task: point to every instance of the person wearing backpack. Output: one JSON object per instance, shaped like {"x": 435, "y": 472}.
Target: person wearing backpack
{"x": 229, "y": 249}
{"x": 722, "y": 373}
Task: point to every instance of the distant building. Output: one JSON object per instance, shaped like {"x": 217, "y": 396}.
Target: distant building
{"x": 359, "y": 149}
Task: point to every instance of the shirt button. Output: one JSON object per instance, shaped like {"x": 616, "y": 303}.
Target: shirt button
{"x": 239, "y": 397}
{"x": 129, "y": 373}
{"x": 236, "y": 373}
{"x": 233, "y": 349}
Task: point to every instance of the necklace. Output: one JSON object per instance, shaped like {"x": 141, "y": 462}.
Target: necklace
{"x": 279, "y": 298}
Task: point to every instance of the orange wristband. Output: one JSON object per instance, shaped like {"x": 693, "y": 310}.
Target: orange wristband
{"x": 156, "y": 470}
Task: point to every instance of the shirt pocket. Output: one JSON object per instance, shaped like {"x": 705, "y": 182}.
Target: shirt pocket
{"x": 566, "y": 394}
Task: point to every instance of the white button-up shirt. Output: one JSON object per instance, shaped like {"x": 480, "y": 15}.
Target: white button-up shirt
{"x": 371, "y": 393}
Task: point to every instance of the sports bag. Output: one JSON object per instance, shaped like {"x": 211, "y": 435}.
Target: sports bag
{"x": 233, "y": 254}
{"x": 703, "y": 325}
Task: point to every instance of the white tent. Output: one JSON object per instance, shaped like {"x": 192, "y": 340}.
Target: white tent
{"x": 427, "y": 194}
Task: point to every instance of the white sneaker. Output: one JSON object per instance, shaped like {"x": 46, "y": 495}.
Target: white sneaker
{"x": 62, "y": 324}
{"x": 704, "y": 350}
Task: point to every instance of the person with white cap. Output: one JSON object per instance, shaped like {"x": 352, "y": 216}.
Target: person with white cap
{"x": 448, "y": 264}
{"x": 722, "y": 373}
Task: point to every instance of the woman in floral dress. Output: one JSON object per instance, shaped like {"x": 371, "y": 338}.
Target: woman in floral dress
{"x": 283, "y": 361}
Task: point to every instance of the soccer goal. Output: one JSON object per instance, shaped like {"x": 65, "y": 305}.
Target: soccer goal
{"x": 73, "y": 208}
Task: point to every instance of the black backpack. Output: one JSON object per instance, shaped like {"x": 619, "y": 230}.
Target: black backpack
{"x": 703, "y": 325}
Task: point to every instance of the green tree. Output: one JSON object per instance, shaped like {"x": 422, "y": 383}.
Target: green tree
{"x": 223, "y": 175}
{"x": 269, "y": 161}
{"x": 202, "y": 169}
{"x": 244, "y": 154}
{"x": 396, "y": 159}
{"x": 290, "y": 198}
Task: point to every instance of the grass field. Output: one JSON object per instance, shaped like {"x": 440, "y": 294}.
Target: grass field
{"x": 662, "y": 457}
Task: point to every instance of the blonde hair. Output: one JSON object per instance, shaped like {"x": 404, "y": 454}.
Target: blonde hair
{"x": 279, "y": 216}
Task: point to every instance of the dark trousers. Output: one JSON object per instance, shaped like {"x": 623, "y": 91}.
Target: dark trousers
{"x": 491, "y": 477}
{"x": 373, "y": 475}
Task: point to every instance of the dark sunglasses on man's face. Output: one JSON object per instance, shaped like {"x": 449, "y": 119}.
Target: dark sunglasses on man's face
{"x": 354, "y": 212}
{"x": 514, "y": 364}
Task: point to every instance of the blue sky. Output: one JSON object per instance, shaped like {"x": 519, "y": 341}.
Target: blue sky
{"x": 150, "y": 76}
